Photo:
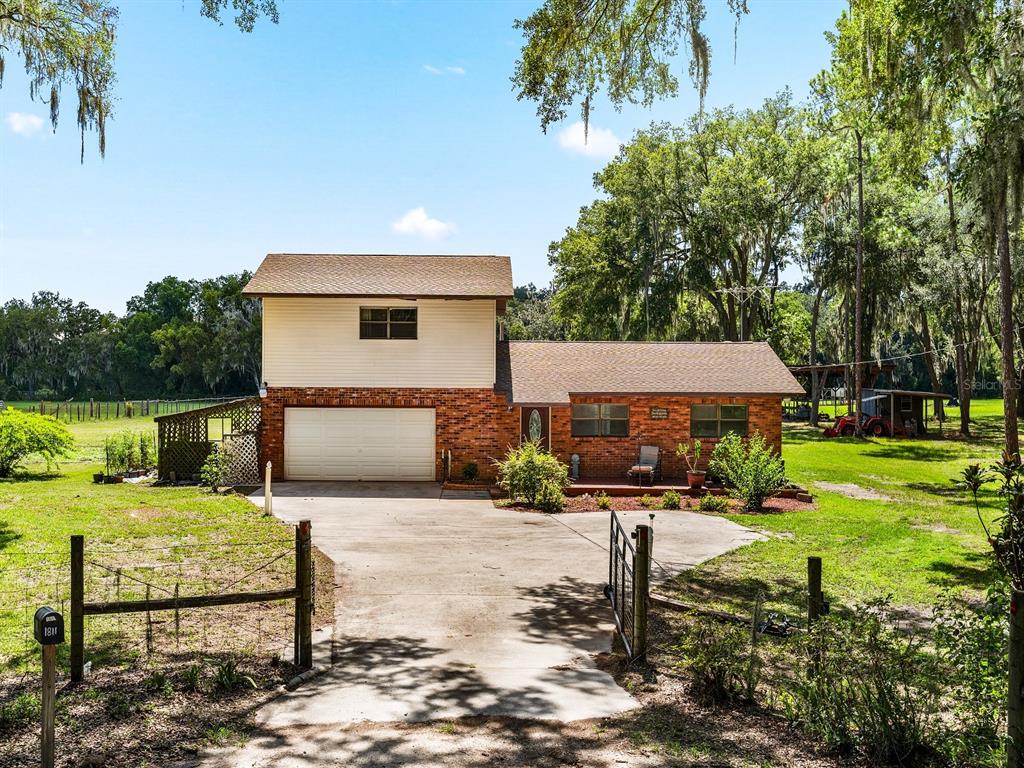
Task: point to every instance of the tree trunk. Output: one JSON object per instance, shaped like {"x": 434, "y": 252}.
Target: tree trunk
{"x": 813, "y": 356}
{"x": 858, "y": 349}
{"x": 963, "y": 380}
{"x": 930, "y": 362}
{"x": 1006, "y": 334}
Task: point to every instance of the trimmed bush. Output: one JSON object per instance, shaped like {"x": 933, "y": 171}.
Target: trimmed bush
{"x": 712, "y": 505}
{"x": 647, "y": 501}
{"x": 752, "y": 470}
{"x": 602, "y": 500}
{"x": 551, "y": 499}
{"x": 29, "y": 434}
{"x": 671, "y": 499}
{"x": 526, "y": 468}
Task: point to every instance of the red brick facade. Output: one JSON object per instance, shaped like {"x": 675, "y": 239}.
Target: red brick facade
{"x": 610, "y": 457}
{"x": 475, "y": 424}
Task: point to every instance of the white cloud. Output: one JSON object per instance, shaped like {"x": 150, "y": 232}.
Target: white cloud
{"x": 23, "y": 124}
{"x": 598, "y": 142}
{"x": 418, "y": 222}
{"x": 450, "y": 70}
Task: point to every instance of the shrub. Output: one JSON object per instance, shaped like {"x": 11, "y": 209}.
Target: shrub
{"x": 19, "y": 712}
{"x": 551, "y": 498}
{"x": 971, "y": 644}
{"x": 191, "y": 678}
{"x": 227, "y": 677}
{"x": 722, "y": 661}
{"x": 671, "y": 499}
{"x": 867, "y": 687}
{"x": 470, "y": 471}
{"x": 752, "y": 470}
{"x": 602, "y": 500}
{"x": 647, "y": 501}
{"x": 216, "y": 468}
{"x": 29, "y": 434}
{"x": 525, "y": 469}
{"x": 122, "y": 451}
{"x": 714, "y": 505}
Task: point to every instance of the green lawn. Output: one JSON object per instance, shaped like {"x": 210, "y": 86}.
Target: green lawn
{"x": 922, "y": 538}
{"x": 214, "y": 538}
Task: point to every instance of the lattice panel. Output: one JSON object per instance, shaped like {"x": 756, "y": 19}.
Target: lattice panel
{"x": 184, "y": 440}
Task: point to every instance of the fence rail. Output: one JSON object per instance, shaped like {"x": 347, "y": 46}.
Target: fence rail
{"x": 301, "y": 591}
{"x": 101, "y": 410}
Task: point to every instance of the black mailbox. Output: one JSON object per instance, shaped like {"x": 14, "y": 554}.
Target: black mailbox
{"x": 48, "y": 626}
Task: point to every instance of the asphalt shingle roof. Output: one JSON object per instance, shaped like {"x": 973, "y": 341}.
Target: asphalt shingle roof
{"x": 547, "y": 372}
{"x": 308, "y": 274}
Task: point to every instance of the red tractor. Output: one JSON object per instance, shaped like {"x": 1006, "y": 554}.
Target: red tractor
{"x": 846, "y": 426}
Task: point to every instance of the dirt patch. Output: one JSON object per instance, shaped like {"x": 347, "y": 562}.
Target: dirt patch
{"x": 197, "y": 682}
{"x": 853, "y": 491}
{"x": 146, "y": 514}
{"x": 938, "y": 528}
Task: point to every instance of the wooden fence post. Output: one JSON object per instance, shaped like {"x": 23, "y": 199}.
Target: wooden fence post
{"x": 49, "y": 705}
{"x": 268, "y": 493}
{"x": 815, "y": 598}
{"x": 304, "y": 602}
{"x": 1015, "y": 698}
{"x": 641, "y": 590}
{"x": 77, "y": 614}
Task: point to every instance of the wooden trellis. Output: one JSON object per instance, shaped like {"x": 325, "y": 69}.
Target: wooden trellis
{"x": 186, "y": 439}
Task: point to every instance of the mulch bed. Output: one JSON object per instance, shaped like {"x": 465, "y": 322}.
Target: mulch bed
{"x": 588, "y": 503}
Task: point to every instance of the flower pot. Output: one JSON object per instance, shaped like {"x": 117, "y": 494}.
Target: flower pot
{"x": 97, "y": 477}
{"x": 695, "y": 479}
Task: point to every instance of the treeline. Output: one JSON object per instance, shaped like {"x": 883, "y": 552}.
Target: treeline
{"x": 695, "y": 226}
{"x": 180, "y": 338}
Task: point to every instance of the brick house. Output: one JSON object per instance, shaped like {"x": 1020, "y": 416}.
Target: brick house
{"x": 381, "y": 367}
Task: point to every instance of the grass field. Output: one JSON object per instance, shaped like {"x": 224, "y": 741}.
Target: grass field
{"x": 909, "y": 536}
{"x": 130, "y": 524}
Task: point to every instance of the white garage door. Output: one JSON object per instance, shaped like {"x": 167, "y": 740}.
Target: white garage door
{"x": 359, "y": 443}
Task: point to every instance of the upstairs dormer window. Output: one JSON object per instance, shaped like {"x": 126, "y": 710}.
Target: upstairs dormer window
{"x": 387, "y": 322}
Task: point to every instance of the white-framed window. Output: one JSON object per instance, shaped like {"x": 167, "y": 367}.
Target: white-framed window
{"x": 387, "y": 323}
{"x": 600, "y": 420}
{"x": 717, "y": 419}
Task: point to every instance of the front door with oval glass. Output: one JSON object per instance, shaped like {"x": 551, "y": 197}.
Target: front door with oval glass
{"x": 535, "y": 424}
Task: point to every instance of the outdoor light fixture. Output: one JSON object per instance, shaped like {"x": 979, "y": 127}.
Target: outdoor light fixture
{"x": 263, "y": 390}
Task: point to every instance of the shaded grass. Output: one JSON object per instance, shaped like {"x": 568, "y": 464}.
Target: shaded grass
{"x": 924, "y": 539}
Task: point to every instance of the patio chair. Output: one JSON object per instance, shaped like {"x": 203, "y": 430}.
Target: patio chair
{"x": 648, "y": 466}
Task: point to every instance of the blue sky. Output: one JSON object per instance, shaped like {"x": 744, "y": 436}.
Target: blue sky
{"x": 362, "y": 127}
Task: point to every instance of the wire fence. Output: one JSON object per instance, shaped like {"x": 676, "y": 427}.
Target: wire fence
{"x": 140, "y": 569}
{"x": 102, "y": 410}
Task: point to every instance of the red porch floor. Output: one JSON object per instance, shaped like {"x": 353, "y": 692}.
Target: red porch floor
{"x": 621, "y": 487}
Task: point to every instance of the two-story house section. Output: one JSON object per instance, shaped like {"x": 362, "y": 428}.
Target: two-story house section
{"x": 377, "y": 367}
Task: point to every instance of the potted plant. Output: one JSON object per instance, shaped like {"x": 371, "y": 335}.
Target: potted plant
{"x": 691, "y": 455}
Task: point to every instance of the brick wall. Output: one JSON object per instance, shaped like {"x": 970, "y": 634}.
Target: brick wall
{"x": 476, "y": 424}
{"x": 611, "y": 456}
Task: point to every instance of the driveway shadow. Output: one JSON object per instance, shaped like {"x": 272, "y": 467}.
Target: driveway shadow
{"x": 314, "y": 489}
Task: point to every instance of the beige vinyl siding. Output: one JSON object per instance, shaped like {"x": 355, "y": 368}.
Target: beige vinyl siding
{"x": 314, "y": 342}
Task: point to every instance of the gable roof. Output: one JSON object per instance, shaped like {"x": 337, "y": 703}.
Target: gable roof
{"x": 548, "y": 372}
{"x": 310, "y": 274}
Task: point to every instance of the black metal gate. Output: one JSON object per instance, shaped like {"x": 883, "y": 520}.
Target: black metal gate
{"x": 620, "y": 586}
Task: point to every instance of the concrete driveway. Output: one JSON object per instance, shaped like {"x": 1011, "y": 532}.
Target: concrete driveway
{"x": 447, "y": 607}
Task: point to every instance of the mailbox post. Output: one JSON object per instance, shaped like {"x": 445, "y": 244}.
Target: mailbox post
{"x": 48, "y": 628}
